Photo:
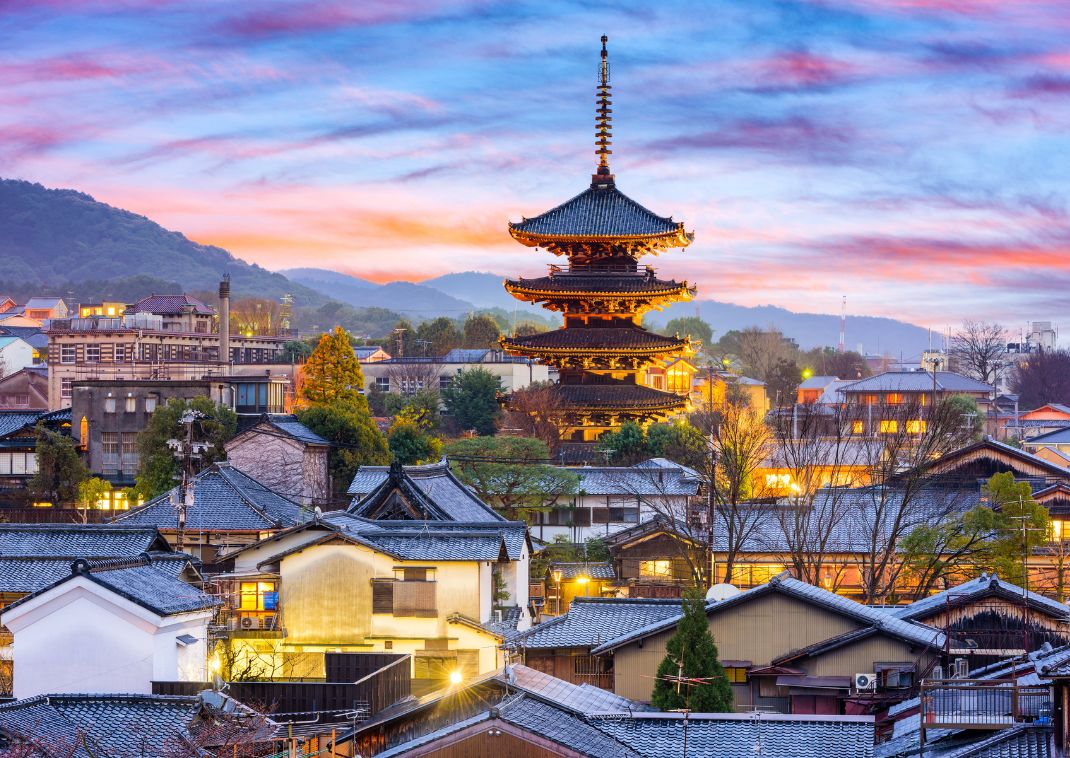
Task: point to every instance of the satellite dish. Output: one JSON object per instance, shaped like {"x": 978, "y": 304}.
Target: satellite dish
{"x": 719, "y": 592}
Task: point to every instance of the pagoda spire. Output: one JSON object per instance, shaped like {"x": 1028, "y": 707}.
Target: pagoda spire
{"x": 603, "y": 122}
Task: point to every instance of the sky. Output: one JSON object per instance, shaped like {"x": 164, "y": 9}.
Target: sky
{"x": 913, "y": 155}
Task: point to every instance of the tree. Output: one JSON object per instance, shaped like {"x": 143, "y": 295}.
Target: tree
{"x": 90, "y": 492}
{"x": 437, "y": 337}
{"x": 979, "y": 350}
{"x": 694, "y": 326}
{"x": 355, "y": 440}
{"x": 332, "y": 375}
{"x": 1044, "y": 378}
{"x": 472, "y": 400}
{"x": 59, "y": 468}
{"x": 692, "y": 653}
{"x": 159, "y": 469}
{"x": 481, "y": 332}
{"x": 410, "y": 445}
{"x": 511, "y": 473}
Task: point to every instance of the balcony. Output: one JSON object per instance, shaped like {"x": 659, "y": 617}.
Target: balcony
{"x": 982, "y": 704}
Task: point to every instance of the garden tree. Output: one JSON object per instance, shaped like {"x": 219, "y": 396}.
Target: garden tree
{"x": 691, "y": 653}
{"x": 90, "y": 492}
{"x": 1013, "y": 506}
{"x": 59, "y": 468}
{"x": 481, "y": 331}
{"x": 159, "y": 470}
{"x": 355, "y": 441}
{"x": 979, "y": 350}
{"x": 531, "y": 413}
{"x": 294, "y": 351}
{"x": 694, "y": 326}
{"x": 472, "y": 400}
{"x": 410, "y": 444}
{"x": 1044, "y": 378}
{"x": 828, "y": 361}
{"x": 332, "y": 375}
{"x": 437, "y": 337}
{"x": 403, "y": 340}
{"x": 512, "y": 473}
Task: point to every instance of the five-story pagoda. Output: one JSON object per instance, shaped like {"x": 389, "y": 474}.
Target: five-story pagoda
{"x": 602, "y": 352}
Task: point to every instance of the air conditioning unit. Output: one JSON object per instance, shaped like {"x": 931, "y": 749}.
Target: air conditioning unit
{"x": 864, "y": 682}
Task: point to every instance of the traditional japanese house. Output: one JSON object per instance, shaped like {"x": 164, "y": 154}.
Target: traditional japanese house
{"x": 602, "y": 352}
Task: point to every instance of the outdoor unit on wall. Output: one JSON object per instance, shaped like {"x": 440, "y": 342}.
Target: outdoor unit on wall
{"x": 865, "y": 682}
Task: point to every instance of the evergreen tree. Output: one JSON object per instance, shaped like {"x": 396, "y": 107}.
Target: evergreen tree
{"x": 59, "y": 468}
{"x": 472, "y": 400}
{"x": 332, "y": 374}
{"x": 692, "y": 653}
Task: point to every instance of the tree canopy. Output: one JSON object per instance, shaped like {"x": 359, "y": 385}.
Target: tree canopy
{"x": 691, "y": 653}
{"x": 472, "y": 400}
{"x": 159, "y": 470}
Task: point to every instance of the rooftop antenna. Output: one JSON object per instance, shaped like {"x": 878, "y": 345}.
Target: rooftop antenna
{"x": 603, "y": 122}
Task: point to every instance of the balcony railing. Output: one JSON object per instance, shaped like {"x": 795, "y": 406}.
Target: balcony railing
{"x": 982, "y": 704}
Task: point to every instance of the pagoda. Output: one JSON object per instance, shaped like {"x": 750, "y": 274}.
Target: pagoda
{"x": 602, "y": 352}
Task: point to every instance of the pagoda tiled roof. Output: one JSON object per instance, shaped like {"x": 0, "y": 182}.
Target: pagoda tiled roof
{"x": 597, "y": 340}
{"x": 613, "y": 396}
{"x": 600, "y": 212}
{"x": 597, "y": 283}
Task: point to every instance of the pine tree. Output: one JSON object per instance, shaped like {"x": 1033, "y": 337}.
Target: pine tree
{"x": 332, "y": 375}
{"x": 693, "y": 647}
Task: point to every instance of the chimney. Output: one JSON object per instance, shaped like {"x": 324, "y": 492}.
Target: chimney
{"x": 224, "y": 320}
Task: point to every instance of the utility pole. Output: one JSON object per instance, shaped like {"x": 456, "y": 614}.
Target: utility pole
{"x": 186, "y": 451}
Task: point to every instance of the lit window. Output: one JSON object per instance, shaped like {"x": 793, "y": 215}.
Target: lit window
{"x": 656, "y": 569}
{"x": 889, "y": 426}
{"x": 858, "y": 427}
{"x": 916, "y": 426}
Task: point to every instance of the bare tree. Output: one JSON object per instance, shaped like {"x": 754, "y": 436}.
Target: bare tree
{"x": 979, "y": 350}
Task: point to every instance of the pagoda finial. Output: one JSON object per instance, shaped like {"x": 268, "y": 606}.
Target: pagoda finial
{"x": 603, "y": 121}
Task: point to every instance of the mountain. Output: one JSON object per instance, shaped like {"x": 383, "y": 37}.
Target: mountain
{"x": 415, "y": 301}
{"x": 60, "y": 239}
{"x": 877, "y": 335}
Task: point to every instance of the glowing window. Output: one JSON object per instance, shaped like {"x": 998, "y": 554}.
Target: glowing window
{"x": 889, "y": 426}
{"x": 656, "y": 569}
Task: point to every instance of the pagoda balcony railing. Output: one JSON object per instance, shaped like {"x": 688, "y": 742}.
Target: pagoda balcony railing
{"x": 598, "y": 268}
{"x": 982, "y": 704}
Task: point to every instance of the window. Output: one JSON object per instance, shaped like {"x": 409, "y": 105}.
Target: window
{"x": 150, "y": 403}
{"x": 656, "y": 569}
{"x": 382, "y": 383}
{"x": 916, "y": 426}
{"x": 109, "y": 405}
{"x": 92, "y": 353}
{"x": 67, "y": 353}
{"x": 857, "y": 427}
{"x": 889, "y": 426}
{"x": 65, "y": 388}
{"x": 258, "y": 596}
{"x": 736, "y": 674}
{"x": 131, "y": 404}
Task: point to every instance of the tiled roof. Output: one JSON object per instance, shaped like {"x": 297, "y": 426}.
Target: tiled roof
{"x": 78, "y": 540}
{"x": 596, "y": 340}
{"x": 653, "y": 478}
{"x": 590, "y": 622}
{"x": 600, "y": 212}
{"x": 867, "y": 616}
{"x": 735, "y": 735}
{"x": 224, "y": 499}
{"x": 616, "y": 395}
{"x": 608, "y": 282}
{"x": 582, "y": 698}
{"x": 603, "y": 571}
{"x": 140, "y": 581}
{"x": 169, "y": 304}
{"x": 441, "y": 491}
{"x": 917, "y": 381}
{"x": 983, "y": 586}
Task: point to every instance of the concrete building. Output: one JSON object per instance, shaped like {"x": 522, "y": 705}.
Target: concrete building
{"x": 110, "y": 626}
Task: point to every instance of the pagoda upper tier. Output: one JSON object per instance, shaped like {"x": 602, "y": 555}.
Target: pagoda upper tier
{"x": 601, "y": 222}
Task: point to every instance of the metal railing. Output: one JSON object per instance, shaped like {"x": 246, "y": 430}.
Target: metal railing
{"x": 982, "y": 704}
